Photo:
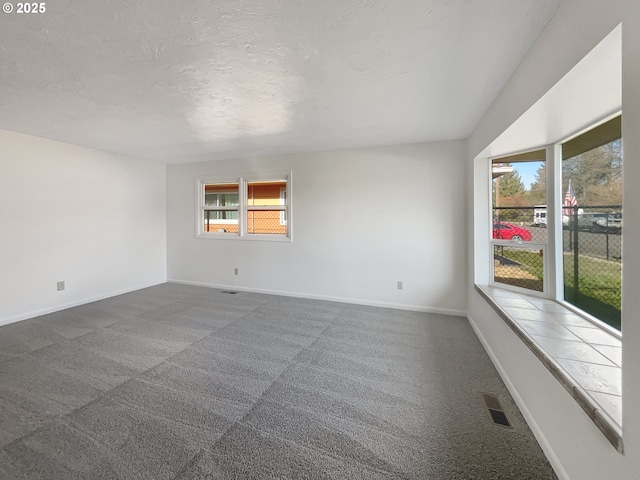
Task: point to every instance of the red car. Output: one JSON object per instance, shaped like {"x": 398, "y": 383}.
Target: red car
{"x": 509, "y": 231}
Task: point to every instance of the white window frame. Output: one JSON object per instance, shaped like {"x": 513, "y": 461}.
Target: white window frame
{"x": 283, "y": 201}
{"x": 243, "y": 181}
{"x": 554, "y": 186}
{"x": 494, "y": 242}
{"x": 553, "y": 283}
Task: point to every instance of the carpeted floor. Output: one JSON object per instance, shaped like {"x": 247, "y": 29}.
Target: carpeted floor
{"x": 181, "y": 382}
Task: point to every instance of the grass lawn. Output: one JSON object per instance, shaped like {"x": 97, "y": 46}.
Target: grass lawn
{"x": 599, "y": 282}
{"x": 526, "y": 272}
{"x": 599, "y": 287}
{"x": 531, "y": 261}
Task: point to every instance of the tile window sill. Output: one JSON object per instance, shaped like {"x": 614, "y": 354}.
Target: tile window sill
{"x": 585, "y": 359}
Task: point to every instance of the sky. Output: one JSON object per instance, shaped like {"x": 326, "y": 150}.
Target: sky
{"x": 527, "y": 171}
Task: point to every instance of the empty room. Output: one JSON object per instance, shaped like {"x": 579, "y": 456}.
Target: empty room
{"x": 320, "y": 240}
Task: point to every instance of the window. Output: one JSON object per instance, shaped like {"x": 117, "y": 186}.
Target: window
{"x": 586, "y": 260}
{"x": 592, "y": 220}
{"x": 518, "y": 234}
{"x": 247, "y": 207}
{"x": 220, "y": 209}
{"x": 265, "y": 207}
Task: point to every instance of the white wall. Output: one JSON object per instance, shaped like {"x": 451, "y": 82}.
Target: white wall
{"x": 575, "y": 446}
{"x": 362, "y": 220}
{"x": 94, "y": 220}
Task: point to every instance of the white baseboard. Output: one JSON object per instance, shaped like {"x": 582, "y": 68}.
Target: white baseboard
{"x": 533, "y": 425}
{"x": 314, "y": 296}
{"x": 75, "y": 303}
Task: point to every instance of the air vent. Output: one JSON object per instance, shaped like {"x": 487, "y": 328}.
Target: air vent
{"x": 228, "y": 292}
{"x": 496, "y": 413}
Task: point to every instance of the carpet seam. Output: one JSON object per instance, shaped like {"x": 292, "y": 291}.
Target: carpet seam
{"x": 241, "y": 420}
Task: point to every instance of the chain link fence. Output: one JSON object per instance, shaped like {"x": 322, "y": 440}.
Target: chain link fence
{"x": 520, "y": 267}
{"x": 593, "y": 260}
{"x": 266, "y": 222}
{"x": 519, "y": 264}
{"x": 592, "y": 254}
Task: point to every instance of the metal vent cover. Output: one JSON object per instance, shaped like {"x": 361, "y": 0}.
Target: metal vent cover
{"x": 495, "y": 410}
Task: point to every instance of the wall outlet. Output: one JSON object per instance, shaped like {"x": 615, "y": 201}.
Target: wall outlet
{"x": 399, "y": 285}
{"x": 60, "y": 286}
{"x": 235, "y": 271}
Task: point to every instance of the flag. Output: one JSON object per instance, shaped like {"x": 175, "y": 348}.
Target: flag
{"x": 569, "y": 200}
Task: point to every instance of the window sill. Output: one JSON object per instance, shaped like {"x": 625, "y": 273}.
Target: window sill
{"x": 245, "y": 238}
{"x": 584, "y": 358}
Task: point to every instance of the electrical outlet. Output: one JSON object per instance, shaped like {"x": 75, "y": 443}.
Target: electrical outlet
{"x": 60, "y": 286}
{"x": 235, "y": 271}
{"x": 399, "y": 285}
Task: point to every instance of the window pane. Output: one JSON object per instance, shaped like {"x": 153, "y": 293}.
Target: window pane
{"x": 229, "y": 199}
{"x": 266, "y": 193}
{"x": 221, "y": 215}
{"x": 220, "y": 199}
{"x": 592, "y": 221}
{"x": 519, "y": 267}
{"x": 519, "y": 198}
{"x": 210, "y": 199}
{"x": 265, "y": 222}
{"x": 221, "y": 202}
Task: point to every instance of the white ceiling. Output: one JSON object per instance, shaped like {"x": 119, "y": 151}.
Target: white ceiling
{"x": 193, "y": 80}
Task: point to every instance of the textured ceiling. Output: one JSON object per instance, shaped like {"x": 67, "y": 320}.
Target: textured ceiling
{"x": 194, "y": 80}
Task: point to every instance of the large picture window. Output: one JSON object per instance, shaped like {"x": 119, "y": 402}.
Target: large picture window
{"x": 586, "y": 261}
{"x": 246, "y": 207}
{"x": 592, "y": 221}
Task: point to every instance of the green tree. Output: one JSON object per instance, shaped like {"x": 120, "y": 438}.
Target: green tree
{"x": 511, "y": 193}
{"x": 596, "y": 175}
{"x": 511, "y": 189}
{"x": 538, "y": 191}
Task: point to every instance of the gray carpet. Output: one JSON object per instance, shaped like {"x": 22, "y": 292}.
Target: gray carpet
{"x": 180, "y": 382}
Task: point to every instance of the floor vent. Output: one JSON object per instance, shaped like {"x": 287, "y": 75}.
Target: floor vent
{"x": 228, "y": 292}
{"x": 496, "y": 413}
